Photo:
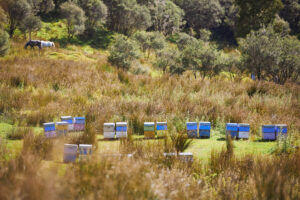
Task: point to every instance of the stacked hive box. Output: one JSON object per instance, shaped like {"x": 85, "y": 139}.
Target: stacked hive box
{"x": 109, "y": 130}
{"x": 161, "y": 128}
{"x": 192, "y": 129}
{"x": 70, "y": 152}
{"x": 149, "y": 130}
{"x": 204, "y": 129}
{"x": 269, "y": 132}
{"x": 49, "y": 129}
{"x": 244, "y": 130}
{"x": 79, "y": 123}
{"x": 68, "y": 119}
{"x": 85, "y": 150}
{"x": 281, "y": 130}
{"x": 232, "y": 130}
{"x": 121, "y": 130}
{"x": 61, "y": 128}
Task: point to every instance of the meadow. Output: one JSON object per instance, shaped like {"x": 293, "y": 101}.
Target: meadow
{"x": 38, "y": 87}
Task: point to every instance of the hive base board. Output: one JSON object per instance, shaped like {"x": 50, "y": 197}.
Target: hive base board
{"x": 69, "y": 157}
{"x": 243, "y": 135}
{"x": 50, "y": 134}
{"x": 121, "y": 134}
{"x": 149, "y": 134}
{"x": 269, "y": 136}
{"x": 109, "y": 135}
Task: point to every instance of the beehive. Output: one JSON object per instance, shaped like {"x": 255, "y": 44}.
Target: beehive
{"x": 244, "y": 131}
{"x": 49, "y": 130}
{"x": 149, "y": 130}
{"x": 68, "y": 119}
{"x": 61, "y": 128}
{"x": 79, "y": 123}
{"x": 70, "y": 152}
{"x": 204, "y": 129}
{"x": 269, "y": 132}
{"x": 232, "y": 130}
{"x": 161, "y": 129}
{"x": 192, "y": 129}
{"x": 186, "y": 157}
{"x": 281, "y": 130}
{"x": 109, "y": 130}
{"x": 121, "y": 130}
{"x": 85, "y": 150}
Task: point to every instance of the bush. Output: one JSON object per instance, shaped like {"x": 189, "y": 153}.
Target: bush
{"x": 4, "y": 42}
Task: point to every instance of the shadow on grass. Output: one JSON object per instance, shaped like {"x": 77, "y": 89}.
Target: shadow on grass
{"x": 100, "y": 39}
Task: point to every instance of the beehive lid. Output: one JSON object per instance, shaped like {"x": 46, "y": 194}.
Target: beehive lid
{"x": 204, "y": 123}
{"x": 79, "y": 118}
{"x": 186, "y": 154}
{"x": 85, "y": 146}
{"x": 281, "y": 125}
{"x": 49, "y": 124}
{"x": 231, "y": 124}
{"x": 121, "y": 124}
{"x": 61, "y": 123}
{"x": 149, "y": 123}
{"x": 109, "y": 124}
{"x": 71, "y": 146}
{"x": 191, "y": 123}
{"x": 161, "y": 123}
{"x": 66, "y": 117}
{"x": 244, "y": 125}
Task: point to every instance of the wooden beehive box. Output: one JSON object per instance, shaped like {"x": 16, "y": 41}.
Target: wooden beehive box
{"x": 109, "y": 130}
{"x": 49, "y": 130}
{"x": 204, "y": 129}
{"x": 149, "y": 129}
{"x": 192, "y": 129}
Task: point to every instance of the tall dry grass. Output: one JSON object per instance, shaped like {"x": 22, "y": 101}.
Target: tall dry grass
{"x": 36, "y": 88}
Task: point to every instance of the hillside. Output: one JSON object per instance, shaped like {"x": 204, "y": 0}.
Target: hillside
{"x": 139, "y": 61}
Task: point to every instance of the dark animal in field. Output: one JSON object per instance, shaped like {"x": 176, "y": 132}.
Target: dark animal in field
{"x": 33, "y": 43}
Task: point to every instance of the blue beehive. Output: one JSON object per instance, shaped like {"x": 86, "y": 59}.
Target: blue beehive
{"x": 79, "y": 123}
{"x": 161, "y": 129}
{"x": 121, "y": 130}
{"x": 232, "y": 130}
{"x": 244, "y": 130}
{"x": 79, "y": 120}
{"x": 49, "y": 129}
{"x": 204, "y": 129}
{"x": 281, "y": 129}
{"x": 269, "y": 132}
{"x": 192, "y": 129}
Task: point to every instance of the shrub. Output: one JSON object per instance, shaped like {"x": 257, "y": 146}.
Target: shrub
{"x": 18, "y": 133}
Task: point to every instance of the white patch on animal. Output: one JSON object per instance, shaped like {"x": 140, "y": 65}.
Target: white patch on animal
{"x": 47, "y": 44}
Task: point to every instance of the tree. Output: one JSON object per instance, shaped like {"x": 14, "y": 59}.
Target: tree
{"x": 291, "y": 14}
{"x": 95, "y": 12}
{"x": 167, "y": 18}
{"x": 149, "y": 41}
{"x": 126, "y": 16}
{"x": 271, "y": 55}
{"x": 123, "y": 52}
{"x": 169, "y": 58}
{"x": 41, "y": 6}
{"x": 74, "y": 17}
{"x": 16, "y": 11}
{"x": 31, "y": 24}
{"x": 4, "y": 38}
{"x": 202, "y": 57}
{"x": 255, "y": 14}
{"x": 184, "y": 39}
{"x": 201, "y": 14}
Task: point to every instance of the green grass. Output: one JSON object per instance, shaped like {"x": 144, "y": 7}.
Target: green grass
{"x": 202, "y": 148}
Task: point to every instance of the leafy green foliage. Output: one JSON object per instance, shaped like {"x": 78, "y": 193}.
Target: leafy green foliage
{"x": 95, "y": 12}
{"x": 271, "y": 56}
{"x": 123, "y": 52}
{"x": 255, "y": 14}
{"x": 31, "y": 24}
{"x": 74, "y": 17}
{"x": 127, "y": 16}
{"x": 4, "y": 42}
